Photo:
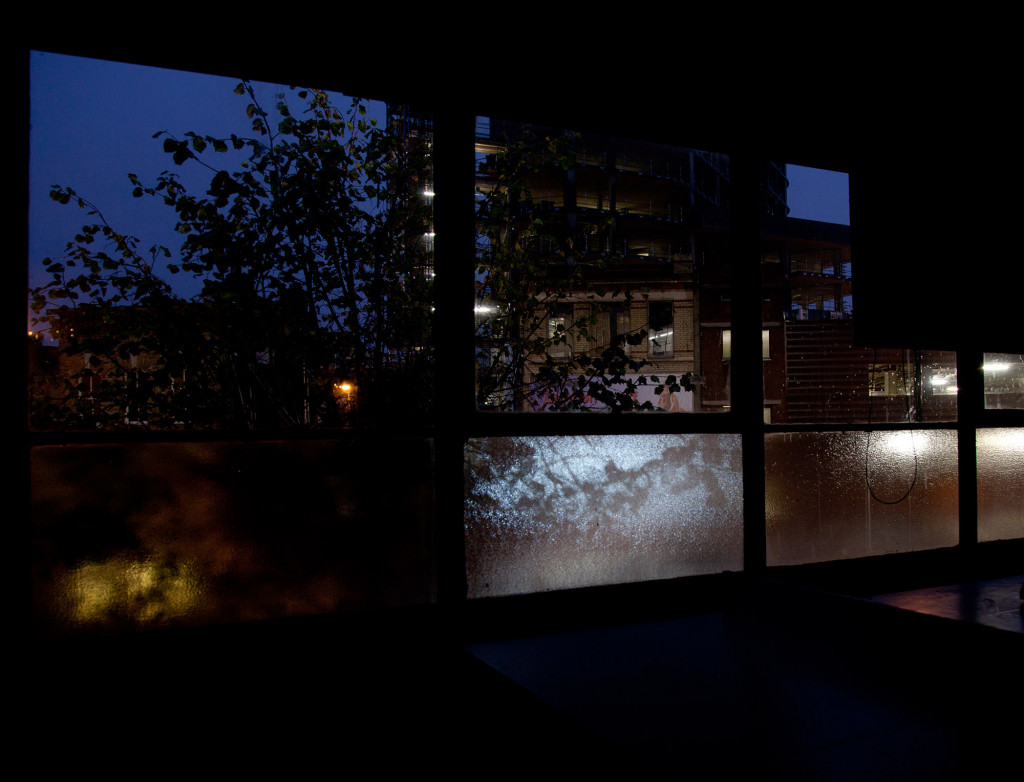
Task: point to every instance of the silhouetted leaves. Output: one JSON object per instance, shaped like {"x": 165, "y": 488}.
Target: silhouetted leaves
{"x": 307, "y": 243}
{"x": 536, "y": 350}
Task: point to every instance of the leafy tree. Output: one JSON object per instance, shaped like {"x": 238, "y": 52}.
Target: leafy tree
{"x": 535, "y": 349}
{"x": 308, "y": 245}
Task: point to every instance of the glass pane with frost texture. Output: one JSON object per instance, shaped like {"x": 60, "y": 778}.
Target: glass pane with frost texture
{"x": 842, "y": 495}
{"x": 1000, "y": 484}
{"x": 545, "y": 513}
{"x": 134, "y": 537}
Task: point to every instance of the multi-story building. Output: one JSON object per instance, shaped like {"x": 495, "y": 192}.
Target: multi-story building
{"x": 642, "y": 231}
{"x": 633, "y": 238}
{"x": 814, "y": 370}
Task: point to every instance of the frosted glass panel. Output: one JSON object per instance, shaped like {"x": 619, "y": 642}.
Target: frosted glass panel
{"x": 840, "y": 495}
{"x": 131, "y": 537}
{"x": 1000, "y": 484}
{"x": 546, "y": 513}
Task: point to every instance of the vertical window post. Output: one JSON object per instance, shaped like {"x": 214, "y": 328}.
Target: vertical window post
{"x": 455, "y": 392}
{"x": 971, "y": 391}
{"x": 746, "y": 363}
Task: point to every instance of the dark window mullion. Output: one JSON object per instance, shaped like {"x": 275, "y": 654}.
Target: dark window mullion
{"x": 746, "y": 383}
{"x": 455, "y": 382}
{"x": 970, "y": 404}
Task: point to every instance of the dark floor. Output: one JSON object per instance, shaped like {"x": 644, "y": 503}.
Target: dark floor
{"x": 783, "y": 683}
{"x": 993, "y": 603}
{"x": 722, "y": 694}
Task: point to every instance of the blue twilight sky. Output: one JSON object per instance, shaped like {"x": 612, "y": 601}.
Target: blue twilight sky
{"x": 816, "y": 194}
{"x": 92, "y": 122}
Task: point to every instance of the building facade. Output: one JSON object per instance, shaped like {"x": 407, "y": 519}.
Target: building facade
{"x": 622, "y": 230}
{"x": 624, "y": 246}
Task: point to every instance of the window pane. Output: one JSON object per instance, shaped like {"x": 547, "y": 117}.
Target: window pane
{"x": 590, "y": 249}
{"x": 1004, "y": 381}
{"x": 289, "y": 282}
{"x": 820, "y": 374}
{"x": 841, "y": 495}
{"x": 547, "y": 513}
{"x": 1000, "y": 484}
{"x": 661, "y": 329}
{"x": 766, "y": 352}
{"x": 164, "y": 535}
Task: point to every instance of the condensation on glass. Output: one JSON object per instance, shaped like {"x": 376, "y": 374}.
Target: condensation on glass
{"x": 591, "y": 256}
{"x": 815, "y": 371}
{"x": 549, "y": 513}
{"x": 1000, "y": 484}
{"x": 131, "y": 537}
{"x": 843, "y": 495}
{"x": 1004, "y": 381}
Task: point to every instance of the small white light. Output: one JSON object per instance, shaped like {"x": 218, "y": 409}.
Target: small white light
{"x": 904, "y": 443}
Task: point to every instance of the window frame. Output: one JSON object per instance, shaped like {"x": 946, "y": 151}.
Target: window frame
{"x": 561, "y": 316}
{"x": 454, "y": 120}
{"x": 766, "y": 352}
{"x": 666, "y": 333}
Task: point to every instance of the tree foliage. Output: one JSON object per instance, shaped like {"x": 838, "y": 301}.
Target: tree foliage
{"x": 540, "y": 296}
{"x": 308, "y": 247}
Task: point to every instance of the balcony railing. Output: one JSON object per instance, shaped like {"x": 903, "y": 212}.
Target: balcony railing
{"x": 806, "y": 313}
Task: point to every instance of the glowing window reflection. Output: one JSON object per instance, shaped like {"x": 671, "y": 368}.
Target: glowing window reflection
{"x": 842, "y": 495}
{"x": 1004, "y": 380}
{"x": 1000, "y": 484}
